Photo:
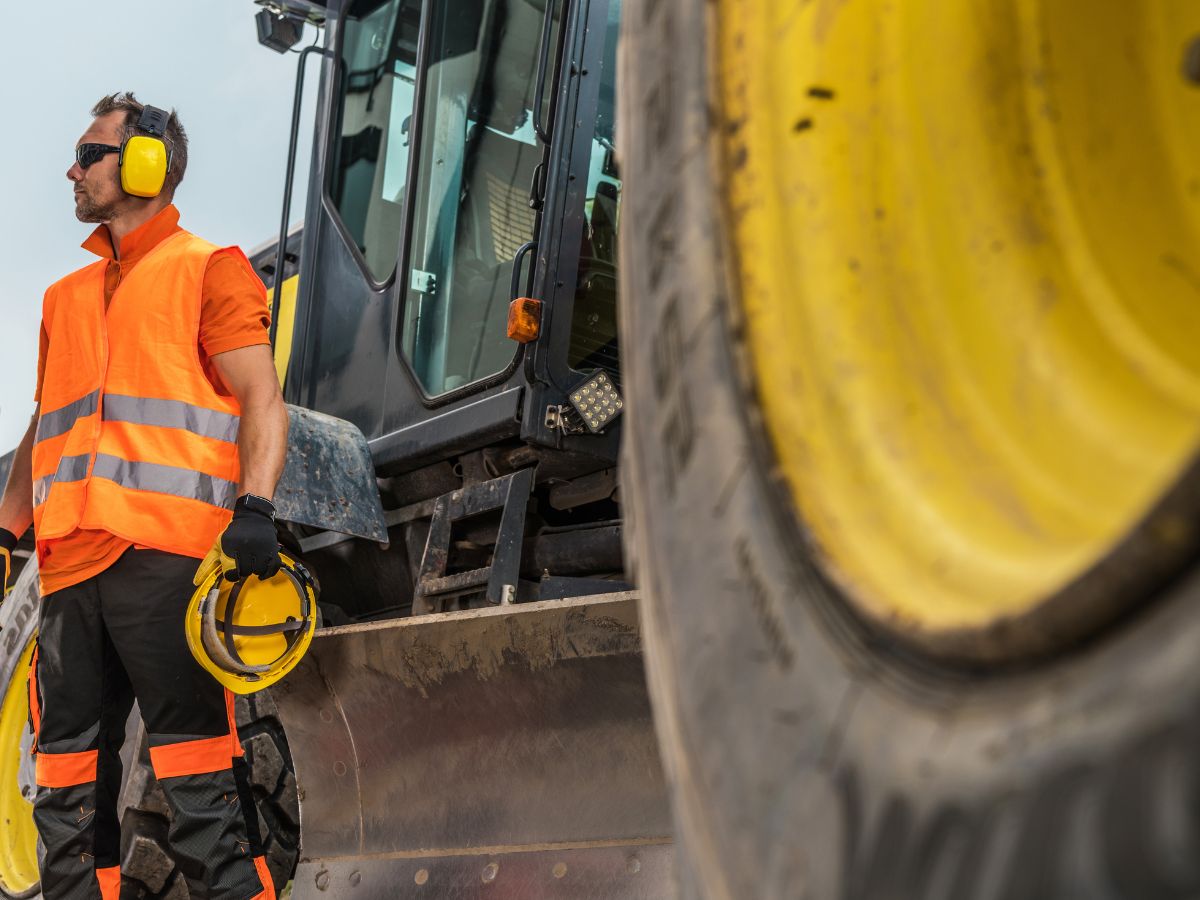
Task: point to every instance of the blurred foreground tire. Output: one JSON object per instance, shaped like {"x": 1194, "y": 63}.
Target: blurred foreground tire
{"x": 829, "y": 731}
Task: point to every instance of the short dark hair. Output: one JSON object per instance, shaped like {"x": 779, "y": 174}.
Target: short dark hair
{"x": 175, "y": 136}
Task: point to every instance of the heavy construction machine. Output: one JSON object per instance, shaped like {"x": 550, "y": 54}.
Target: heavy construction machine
{"x": 900, "y": 445}
{"x": 474, "y": 714}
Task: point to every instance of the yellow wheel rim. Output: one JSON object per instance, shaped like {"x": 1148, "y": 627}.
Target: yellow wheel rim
{"x": 18, "y": 836}
{"x": 967, "y": 242}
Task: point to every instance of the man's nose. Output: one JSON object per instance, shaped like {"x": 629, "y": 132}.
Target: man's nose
{"x": 75, "y": 173}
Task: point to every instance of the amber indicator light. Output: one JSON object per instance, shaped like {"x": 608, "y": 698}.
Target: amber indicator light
{"x": 524, "y": 319}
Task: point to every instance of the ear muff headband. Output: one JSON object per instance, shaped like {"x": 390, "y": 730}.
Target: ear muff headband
{"x": 145, "y": 158}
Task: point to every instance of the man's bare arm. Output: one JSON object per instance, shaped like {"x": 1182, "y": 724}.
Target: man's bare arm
{"x": 16, "y": 509}
{"x": 249, "y": 373}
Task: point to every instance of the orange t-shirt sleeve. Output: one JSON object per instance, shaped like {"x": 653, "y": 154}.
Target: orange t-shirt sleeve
{"x": 234, "y": 311}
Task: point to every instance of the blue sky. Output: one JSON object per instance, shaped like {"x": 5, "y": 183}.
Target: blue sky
{"x": 233, "y": 97}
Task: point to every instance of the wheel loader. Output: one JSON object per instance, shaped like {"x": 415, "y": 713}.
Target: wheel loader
{"x": 879, "y": 432}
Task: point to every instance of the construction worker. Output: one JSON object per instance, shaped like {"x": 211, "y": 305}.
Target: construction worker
{"x": 160, "y": 434}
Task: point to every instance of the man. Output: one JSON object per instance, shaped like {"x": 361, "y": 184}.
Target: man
{"x": 159, "y": 414}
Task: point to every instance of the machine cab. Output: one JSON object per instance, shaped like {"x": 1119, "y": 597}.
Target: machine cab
{"x": 464, "y": 156}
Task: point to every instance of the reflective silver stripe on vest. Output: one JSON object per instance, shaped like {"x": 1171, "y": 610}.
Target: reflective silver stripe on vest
{"x": 171, "y": 414}
{"x": 70, "y": 468}
{"x": 186, "y": 483}
{"x": 59, "y": 421}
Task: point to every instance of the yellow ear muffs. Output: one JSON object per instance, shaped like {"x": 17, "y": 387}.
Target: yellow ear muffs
{"x": 143, "y": 163}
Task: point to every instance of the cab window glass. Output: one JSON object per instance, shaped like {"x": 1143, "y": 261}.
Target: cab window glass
{"x": 594, "y": 323}
{"x": 370, "y": 154}
{"x": 477, "y": 158}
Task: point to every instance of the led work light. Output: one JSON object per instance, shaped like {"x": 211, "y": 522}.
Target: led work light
{"x": 597, "y": 401}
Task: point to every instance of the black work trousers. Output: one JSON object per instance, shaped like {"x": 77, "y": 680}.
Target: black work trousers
{"x": 102, "y": 643}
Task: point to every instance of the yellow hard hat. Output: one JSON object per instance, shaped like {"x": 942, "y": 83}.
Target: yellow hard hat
{"x": 248, "y": 634}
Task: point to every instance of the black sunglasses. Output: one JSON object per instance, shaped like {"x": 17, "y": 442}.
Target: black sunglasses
{"x": 90, "y": 154}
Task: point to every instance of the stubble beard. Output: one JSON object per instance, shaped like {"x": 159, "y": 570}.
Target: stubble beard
{"x": 89, "y": 211}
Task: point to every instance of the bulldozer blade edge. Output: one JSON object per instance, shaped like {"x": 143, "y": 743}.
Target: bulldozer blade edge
{"x": 440, "y": 754}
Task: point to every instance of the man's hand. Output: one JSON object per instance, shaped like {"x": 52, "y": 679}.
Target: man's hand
{"x": 248, "y": 546}
{"x": 8, "y": 543}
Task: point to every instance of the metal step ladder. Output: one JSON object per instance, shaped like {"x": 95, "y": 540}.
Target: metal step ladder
{"x": 509, "y": 493}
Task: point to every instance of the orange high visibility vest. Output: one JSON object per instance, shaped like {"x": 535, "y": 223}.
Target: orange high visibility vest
{"x": 133, "y": 438}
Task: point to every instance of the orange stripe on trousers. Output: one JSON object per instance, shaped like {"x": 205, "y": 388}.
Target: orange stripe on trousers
{"x": 233, "y": 735}
{"x": 35, "y": 708}
{"x": 264, "y": 878}
{"x": 60, "y": 770}
{"x": 110, "y": 882}
{"x": 200, "y": 757}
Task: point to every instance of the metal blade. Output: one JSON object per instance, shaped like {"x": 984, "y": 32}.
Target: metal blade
{"x": 510, "y": 747}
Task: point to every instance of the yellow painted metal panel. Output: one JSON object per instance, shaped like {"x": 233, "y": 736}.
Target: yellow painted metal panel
{"x": 287, "y": 327}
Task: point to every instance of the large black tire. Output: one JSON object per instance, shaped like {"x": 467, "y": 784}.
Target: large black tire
{"x": 148, "y": 871}
{"x": 808, "y": 756}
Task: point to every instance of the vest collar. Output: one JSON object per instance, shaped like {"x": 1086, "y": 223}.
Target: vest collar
{"x": 138, "y": 242}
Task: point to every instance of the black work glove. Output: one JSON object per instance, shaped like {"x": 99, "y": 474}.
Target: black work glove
{"x": 249, "y": 546}
{"x": 8, "y": 543}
